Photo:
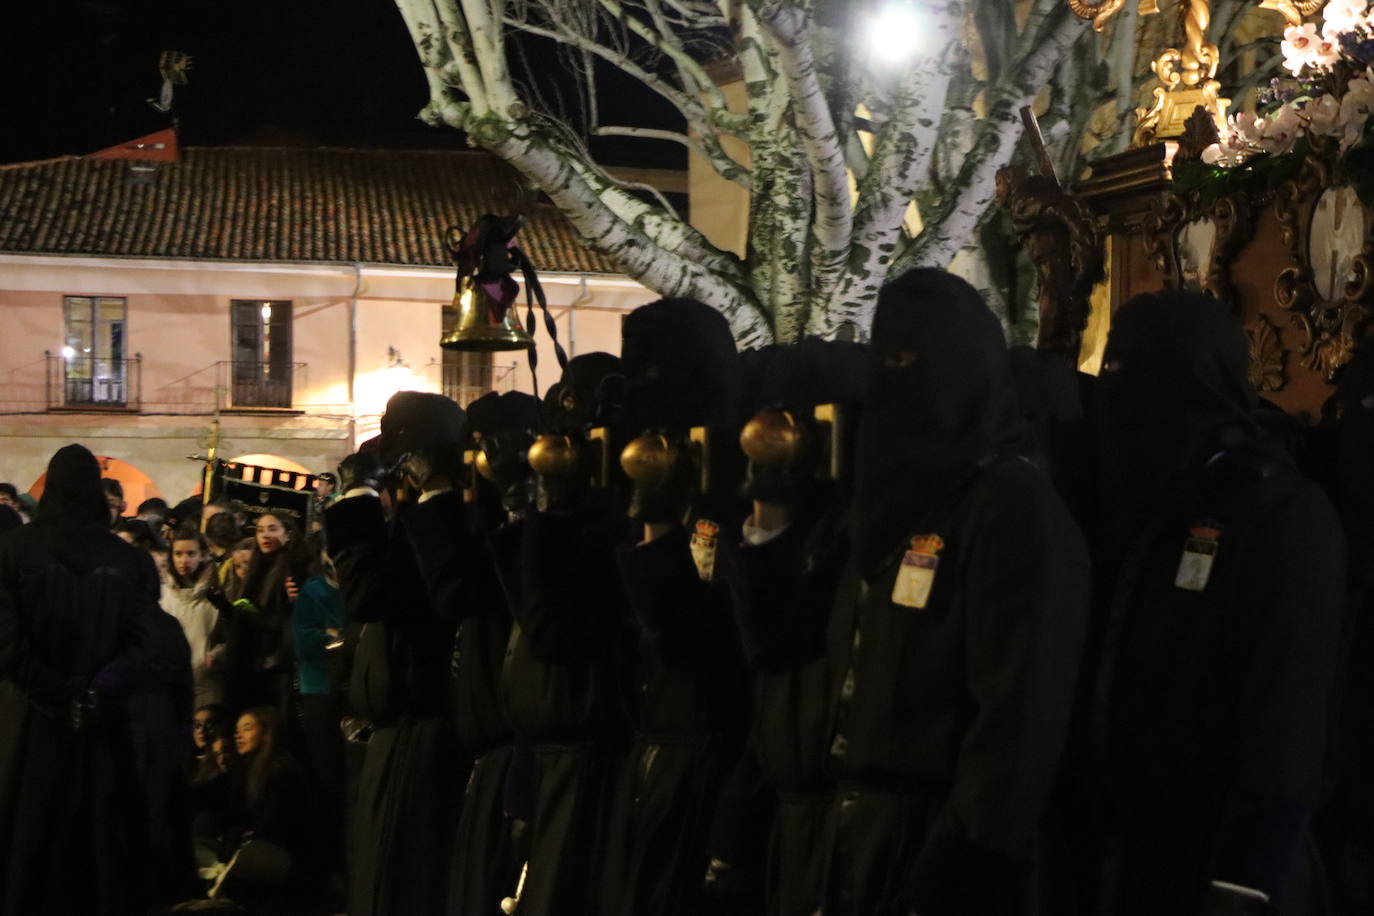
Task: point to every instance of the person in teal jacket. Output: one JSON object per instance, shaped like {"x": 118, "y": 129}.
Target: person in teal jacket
{"x": 316, "y": 630}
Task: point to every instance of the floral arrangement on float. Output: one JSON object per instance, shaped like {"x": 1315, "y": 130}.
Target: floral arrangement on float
{"x": 1325, "y": 105}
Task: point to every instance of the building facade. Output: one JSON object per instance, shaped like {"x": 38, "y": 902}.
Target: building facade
{"x": 286, "y": 293}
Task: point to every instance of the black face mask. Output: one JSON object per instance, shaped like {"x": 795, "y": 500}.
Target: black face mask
{"x": 1173, "y": 391}
{"x": 940, "y": 402}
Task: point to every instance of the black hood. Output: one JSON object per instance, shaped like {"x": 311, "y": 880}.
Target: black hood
{"x": 1174, "y": 390}
{"x": 940, "y": 401}
{"x": 419, "y": 419}
{"x": 590, "y": 393}
{"x": 496, "y": 413}
{"x": 812, "y": 372}
{"x": 72, "y": 493}
{"x": 73, "y": 516}
{"x": 681, "y": 369}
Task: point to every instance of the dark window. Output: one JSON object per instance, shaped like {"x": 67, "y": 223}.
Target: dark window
{"x": 261, "y": 339}
{"x": 95, "y": 351}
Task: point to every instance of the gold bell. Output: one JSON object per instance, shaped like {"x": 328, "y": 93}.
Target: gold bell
{"x": 774, "y": 439}
{"x": 553, "y": 456}
{"x": 484, "y": 324}
{"x": 483, "y": 465}
{"x": 649, "y": 460}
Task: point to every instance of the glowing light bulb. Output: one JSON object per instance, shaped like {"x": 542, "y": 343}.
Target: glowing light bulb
{"x": 69, "y": 351}
{"x": 266, "y": 311}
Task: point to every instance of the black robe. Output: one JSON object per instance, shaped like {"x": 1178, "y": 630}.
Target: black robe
{"x": 405, "y": 810}
{"x": 564, "y": 692}
{"x": 692, "y": 714}
{"x": 464, "y": 591}
{"x": 783, "y": 592}
{"x": 1207, "y": 722}
{"x": 80, "y": 798}
{"x": 1220, "y": 577}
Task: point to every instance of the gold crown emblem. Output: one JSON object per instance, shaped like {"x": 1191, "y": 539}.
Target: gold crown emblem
{"x": 928, "y": 543}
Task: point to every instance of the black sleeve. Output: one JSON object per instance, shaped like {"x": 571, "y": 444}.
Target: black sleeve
{"x": 1027, "y": 581}
{"x": 444, "y": 554}
{"x": 569, "y": 604}
{"x": 1286, "y": 646}
{"x": 682, "y": 618}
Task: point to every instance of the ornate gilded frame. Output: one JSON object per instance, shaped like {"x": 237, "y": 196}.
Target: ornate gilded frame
{"x": 1330, "y": 328}
{"x": 1170, "y": 214}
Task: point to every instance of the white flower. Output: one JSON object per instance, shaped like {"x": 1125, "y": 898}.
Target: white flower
{"x": 1324, "y": 53}
{"x": 1324, "y": 116}
{"x": 1213, "y": 155}
{"x": 1298, "y": 44}
{"x": 1356, "y": 106}
{"x": 1280, "y": 131}
{"x": 1245, "y": 130}
{"x": 1342, "y": 15}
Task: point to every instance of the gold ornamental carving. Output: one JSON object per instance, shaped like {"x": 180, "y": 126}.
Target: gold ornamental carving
{"x": 1266, "y": 356}
{"x": 1328, "y": 285}
{"x": 1186, "y": 74}
{"x": 1294, "y": 11}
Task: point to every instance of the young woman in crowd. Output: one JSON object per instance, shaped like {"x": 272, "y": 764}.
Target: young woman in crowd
{"x": 260, "y": 660}
{"x": 190, "y": 593}
{"x": 270, "y": 818}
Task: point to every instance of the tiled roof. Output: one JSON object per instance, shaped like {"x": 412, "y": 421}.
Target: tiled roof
{"x": 256, "y": 204}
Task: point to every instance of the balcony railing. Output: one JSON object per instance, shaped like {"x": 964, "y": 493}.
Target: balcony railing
{"x": 91, "y": 382}
{"x": 466, "y": 384}
{"x": 257, "y": 384}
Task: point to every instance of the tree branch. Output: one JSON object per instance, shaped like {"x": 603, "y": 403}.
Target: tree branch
{"x": 959, "y": 214}
{"x": 901, "y": 159}
{"x": 834, "y": 217}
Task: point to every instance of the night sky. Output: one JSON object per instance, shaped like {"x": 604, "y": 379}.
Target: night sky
{"x": 78, "y": 74}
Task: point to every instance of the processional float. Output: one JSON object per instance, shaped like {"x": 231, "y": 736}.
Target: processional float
{"x": 1271, "y": 212}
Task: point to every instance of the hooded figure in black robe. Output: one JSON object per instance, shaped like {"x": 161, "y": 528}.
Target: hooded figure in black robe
{"x": 1220, "y": 578}
{"x": 783, "y": 579}
{"x": 449, "y": 533}
{"x": 954, "y": 638}
{"x": 407, "y": 795}
{"x": 81, "y": 811}
{"x": 681, "y": 373}
{"x": 563, "y": 685}
{"x": 1347, "y": 826}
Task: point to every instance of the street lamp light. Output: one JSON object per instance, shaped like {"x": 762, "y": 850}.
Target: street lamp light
{"x": 892, "y": 34}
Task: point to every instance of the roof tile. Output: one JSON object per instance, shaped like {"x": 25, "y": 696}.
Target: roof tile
{"x": 265, "y": 204}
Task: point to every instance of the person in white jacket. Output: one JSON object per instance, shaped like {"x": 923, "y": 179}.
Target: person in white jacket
{"x": 191, "y": 594}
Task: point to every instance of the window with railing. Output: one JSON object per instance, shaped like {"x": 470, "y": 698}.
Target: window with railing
{"x": 88, "y": 383}
{"x": 95, "y": 366}
{"x": 261, "y": 372}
